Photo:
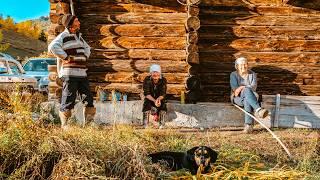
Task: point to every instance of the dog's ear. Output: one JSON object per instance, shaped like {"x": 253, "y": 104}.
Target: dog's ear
{"x": 213, "y": 155}
{"x": 190, "y": 153}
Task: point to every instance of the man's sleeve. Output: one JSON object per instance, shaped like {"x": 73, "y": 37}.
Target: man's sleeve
{"x": 55, "y": 47}
{"x": 87, "y": 48}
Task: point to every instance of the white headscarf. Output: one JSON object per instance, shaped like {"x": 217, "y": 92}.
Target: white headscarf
{"x": 240, "y": 60}
{"x": 155, "y": 68}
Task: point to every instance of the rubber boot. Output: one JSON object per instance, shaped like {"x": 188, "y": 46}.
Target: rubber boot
{"x": 145, "y": 119}
{"x": 162, "y": 119}
{"x": 89, "y": 113}
{"x": 64, "y": 116}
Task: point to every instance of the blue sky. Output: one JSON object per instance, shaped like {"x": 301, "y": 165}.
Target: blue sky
{"x": 21, "y": 10}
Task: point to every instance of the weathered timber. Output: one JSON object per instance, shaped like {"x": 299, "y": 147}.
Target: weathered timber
{"x": 192, "y": 23}
{"x": 133, "y": 77}
{"x": 135, "y": 66}
{"x": 149, "y": 54}
{"x": 270, "y": 32}
{"x": 193, "y": 2}
{"x": 62, "y": 8}
{"x": 192, "y": 37}
{"x": 55, "y": 18}
{"x": 138, "y": 30}
{"x": 192, "y": 48}
{"x": 259, "y": 45}
{"x": 100, "y": 8}
{"x": 55, "y": 29}
{"x": 193, "y": 58}
{"x": 263, "y": 57}
{"x": 174, "y": 43}
{"x": 294, "y": 111}
{"x": 256, "y": 20}
{"x": 135, "y": 88}
{"x": 193, "y": 11}
{"x": 135, "y": 18}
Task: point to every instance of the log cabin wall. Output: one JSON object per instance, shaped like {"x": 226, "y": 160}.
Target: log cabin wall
{"x": 280, "y": 38}
{"x": 128, "y": 36}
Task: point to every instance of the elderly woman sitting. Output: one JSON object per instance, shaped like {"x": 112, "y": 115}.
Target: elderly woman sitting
{"x": 154, "y": 87}
{"x": 243, "y": 84}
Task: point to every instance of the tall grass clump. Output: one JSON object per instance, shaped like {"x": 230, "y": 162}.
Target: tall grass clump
{"x": 31, "y": 150}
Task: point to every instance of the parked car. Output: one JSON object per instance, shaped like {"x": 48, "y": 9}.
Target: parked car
{"x": 13, "y": 75}
{"x": 38, "y": 68}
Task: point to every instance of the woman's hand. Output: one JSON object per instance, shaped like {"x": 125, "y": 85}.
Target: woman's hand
{"x": 158, "y": 102}
{"x": 238, "y": 90}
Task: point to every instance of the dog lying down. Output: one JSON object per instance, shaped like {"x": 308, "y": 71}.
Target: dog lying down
{"x": 199, "y": 156}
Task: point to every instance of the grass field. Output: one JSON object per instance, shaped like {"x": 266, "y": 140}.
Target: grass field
{"x": 41, "y": 150}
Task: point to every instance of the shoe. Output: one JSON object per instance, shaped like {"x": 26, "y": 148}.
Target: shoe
{"x": 161, "y": 127}
{"x": 89, "y": 113}
{"x": 248, "y": 128}
{"x": 261, "y": 113}
{"x": 64, "y": 117}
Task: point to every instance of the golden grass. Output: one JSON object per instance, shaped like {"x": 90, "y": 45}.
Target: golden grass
{"x": 30, "y": 150}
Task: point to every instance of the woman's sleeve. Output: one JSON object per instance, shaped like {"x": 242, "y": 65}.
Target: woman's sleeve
{"x": 146, "y": 87}
{"x": 253, "y": 85}
{"x": 233, "y": 81}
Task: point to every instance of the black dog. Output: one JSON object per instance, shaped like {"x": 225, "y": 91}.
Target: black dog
{"x": 191, "y": 160}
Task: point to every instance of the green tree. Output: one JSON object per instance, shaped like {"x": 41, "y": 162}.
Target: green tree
{"x": 42, "y": 36}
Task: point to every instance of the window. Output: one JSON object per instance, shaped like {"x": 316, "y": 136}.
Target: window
{"x": 14, "y": 68}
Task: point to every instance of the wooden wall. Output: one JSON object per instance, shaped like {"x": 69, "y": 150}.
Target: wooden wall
{"x": 280, "y": 38}
{"x": 128, "y": 36}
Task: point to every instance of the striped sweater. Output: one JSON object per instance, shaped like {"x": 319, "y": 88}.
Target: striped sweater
{"x": 72, "y": 52}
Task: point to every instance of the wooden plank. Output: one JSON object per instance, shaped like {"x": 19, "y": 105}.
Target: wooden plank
{"x": 275, "y": 122}
{"x": 286, "y": 11}
{"x": 148, "y": 54}
{"x": 270, "y": 32}
{"x": 134, "y": 18}
{"x": 110, "y": 7}
{"x": 132, "y": 77}
{"x": 135, "y": 66}
{"x": 174, "y": 43}
{"x": 162, "y": 3}
{"x": 251, "y": 3}
{"x": 137, "y": 30}
{"x": 136, "y": 88}
{"x": 293, "y": 121}
{"x": 259, "y": 45}
{"x": 257, "y": 20}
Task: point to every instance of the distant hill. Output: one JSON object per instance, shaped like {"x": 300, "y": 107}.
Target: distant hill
{"x": 43, "y": 21}
{"x": 22, "y": 46}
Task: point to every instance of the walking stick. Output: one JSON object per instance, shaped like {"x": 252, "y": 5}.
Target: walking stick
{"x": 275, "y": 136}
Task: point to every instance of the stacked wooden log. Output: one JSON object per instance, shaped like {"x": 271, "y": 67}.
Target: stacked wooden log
{"x": 280, "y": 40}
{"x": 55, "y": 86}
{"x": 58, "y": 8}
{"x": 127, "y": 37}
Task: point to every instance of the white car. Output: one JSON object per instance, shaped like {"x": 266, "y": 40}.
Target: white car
{"x": 12, "y": 74}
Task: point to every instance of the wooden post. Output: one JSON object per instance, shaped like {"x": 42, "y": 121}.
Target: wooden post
{"x": 275, "y": 122}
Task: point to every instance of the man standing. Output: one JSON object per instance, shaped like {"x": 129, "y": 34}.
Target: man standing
{"x": 72, "y": 53}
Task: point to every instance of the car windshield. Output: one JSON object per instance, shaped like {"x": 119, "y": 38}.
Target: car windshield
{"x": 38, "y": 65}
{"x": 14, "y": 68}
